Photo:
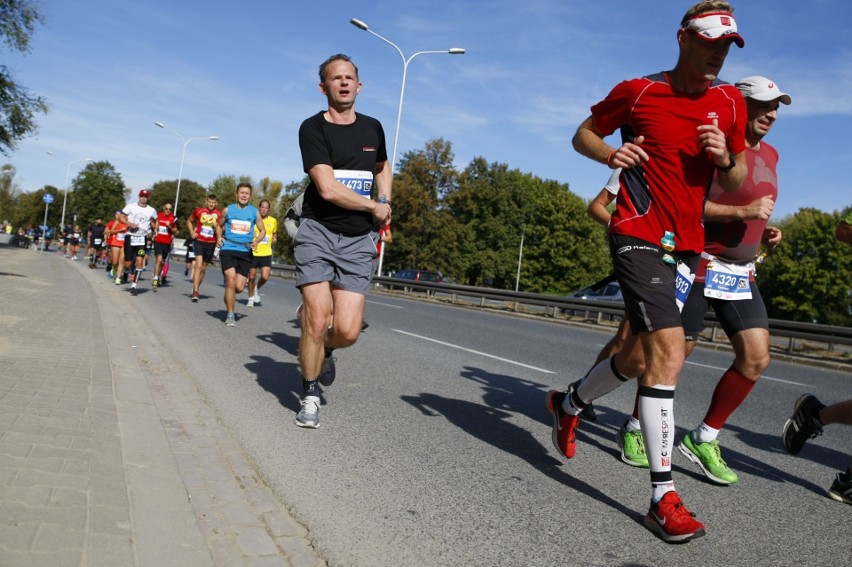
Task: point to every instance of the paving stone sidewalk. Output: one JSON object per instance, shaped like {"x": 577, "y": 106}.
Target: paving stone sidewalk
{"x": 108, "y": 453}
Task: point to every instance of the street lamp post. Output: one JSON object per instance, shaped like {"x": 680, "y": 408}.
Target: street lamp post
{"x": 452, "y": 51}
{"x": 186, "y": 142}
{"x": 65, "y": 191}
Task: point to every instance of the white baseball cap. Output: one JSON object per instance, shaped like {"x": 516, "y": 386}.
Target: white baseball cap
{"x": 713, "y": 26}
{"x": 762, "y": 89}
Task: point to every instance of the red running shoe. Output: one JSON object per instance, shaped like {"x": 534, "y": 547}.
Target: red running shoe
{"x": 671, "y": 521}
{"x": 564, "y": 425}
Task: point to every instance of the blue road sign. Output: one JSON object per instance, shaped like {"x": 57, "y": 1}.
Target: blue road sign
{"x": 47, "y": 198}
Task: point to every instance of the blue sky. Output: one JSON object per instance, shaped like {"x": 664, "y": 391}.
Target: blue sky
{"x": 247, "y": 72}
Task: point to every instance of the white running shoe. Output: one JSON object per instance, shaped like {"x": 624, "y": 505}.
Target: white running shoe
{"x": 308, "y": 416}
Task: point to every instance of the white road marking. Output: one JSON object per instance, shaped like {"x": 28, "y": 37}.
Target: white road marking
{"x": 764, "y": 377}
{"x": 475, "y": 352}
{"x": 384, "y": 304}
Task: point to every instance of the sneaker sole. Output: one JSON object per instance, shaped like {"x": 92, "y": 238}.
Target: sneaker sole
{"x": 658, "y": 531}
{"x": 306, "y": 425}
{"x": 624, "y": 458}
{"x": 694, "y": 458}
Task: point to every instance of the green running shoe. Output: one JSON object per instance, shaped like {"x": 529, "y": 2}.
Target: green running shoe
{"x": 708, "y": 456}
{"x": 632, "y": 446}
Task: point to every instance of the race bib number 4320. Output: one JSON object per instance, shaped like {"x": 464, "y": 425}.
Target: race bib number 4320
{"x": 359, "y": 181}
{"x": 727, "y": 281}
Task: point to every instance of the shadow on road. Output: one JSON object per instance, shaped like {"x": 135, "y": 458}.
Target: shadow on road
{"x": 490, "y": 423}
{"x": 282, "y": 379}
{"x": 283, "y": 341}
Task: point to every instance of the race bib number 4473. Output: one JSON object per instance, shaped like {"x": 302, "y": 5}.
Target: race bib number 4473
{"x": 359, "y": 181}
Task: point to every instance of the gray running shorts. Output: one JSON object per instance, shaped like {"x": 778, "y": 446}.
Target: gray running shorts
{"x": 325, "y": 256}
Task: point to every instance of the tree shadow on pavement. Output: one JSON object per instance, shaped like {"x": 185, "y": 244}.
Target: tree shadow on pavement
{"x": 773, "y": 444}
{"x": 491, "y": 425}
{"x": 526, "y": 397}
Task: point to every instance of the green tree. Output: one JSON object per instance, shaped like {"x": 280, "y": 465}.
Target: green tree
{"x": 267, "y": 189}
{"x": 18, "y": 107}
{"x": 97, "y": 191}
{"x": 224, "y": 187}
{"x": 29, "y": 208}
{"x": 424, "y": 235}
{"x": 8, "y": 192}
{"x": 192, "y": 195}
{"x": 807, "y": 278}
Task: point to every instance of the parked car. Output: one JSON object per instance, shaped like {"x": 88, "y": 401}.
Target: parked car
{"x": 419, "y": 275}
{"x": 607, "y": 292}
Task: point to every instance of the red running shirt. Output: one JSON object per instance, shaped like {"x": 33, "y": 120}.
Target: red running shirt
{"x": 165, "y": 221}
{"x": 205, "y": 222}
{"x": 668, "y": 192}
{"x": 738, "y": 241}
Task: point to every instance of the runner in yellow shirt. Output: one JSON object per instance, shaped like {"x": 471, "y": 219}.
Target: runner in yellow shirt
{"x": 262, "y": 255}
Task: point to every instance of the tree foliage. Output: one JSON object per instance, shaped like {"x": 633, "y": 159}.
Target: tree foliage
{"x": 8, "y": 192}
{"x": 18, "y": 107}
{"x": 469, "y": 225}
{"x": 807, "y": 278}
{"x": 192, "y": 195}
{"x": 98, "y": 191}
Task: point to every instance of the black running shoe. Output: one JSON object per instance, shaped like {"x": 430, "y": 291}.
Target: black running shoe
{"x": 328, "y": 372}
{"x": 803, "y": 424}
{"x": 841, "y": 490}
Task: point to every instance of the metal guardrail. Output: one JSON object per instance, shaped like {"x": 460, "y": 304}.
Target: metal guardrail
{"x": 555, "y": 305}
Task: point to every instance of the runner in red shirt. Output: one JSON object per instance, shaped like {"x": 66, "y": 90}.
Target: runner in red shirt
{"x": 202, "y": 229}
{"x": 679, "y": 128}
{"x": 165, "y": 229}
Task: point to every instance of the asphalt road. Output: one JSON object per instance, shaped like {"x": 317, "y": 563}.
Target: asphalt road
{"x": 434, "y": 447}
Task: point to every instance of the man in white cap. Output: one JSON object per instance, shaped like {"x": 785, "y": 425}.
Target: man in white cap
{"x": 138, "y": 217}
{"x": 681, "y": 128}
{"x": 735, "y": 230}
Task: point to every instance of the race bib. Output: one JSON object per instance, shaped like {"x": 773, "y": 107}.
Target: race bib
{"x": 206, "y": 231}
{"x": 137, "y": 240}
{"x": 161, "y": 229}
{"x": 241, "y": 226}
{"x": 727, "y": 281}
{"x": 683, "y": 283}
{"x": 359, "y": 181}
{"x": 120, "y": 236}
{"x": 97, "y": 241}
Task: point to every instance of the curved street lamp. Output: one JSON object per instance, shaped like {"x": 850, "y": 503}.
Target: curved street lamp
{"x": 182, "y": 157}
{"x": 452, "y": 51}
{"x": 65, "y": 191}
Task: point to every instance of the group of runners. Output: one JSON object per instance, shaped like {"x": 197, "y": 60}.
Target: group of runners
{"x": 696, "y": 188}
{"x": 245, "y": 235}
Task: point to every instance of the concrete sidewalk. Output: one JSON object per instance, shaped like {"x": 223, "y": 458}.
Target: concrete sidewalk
{"x": 108, "y": 454}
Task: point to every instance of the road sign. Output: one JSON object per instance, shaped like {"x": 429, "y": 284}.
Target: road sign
{"x": 47, "y": 198}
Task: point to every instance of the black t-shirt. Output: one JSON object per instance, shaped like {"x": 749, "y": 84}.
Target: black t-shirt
{"x": 97, "y": 231}
{"x": 352, "y": 150}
